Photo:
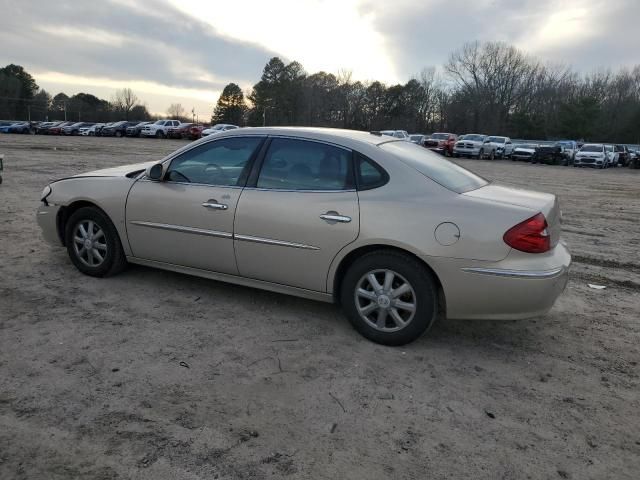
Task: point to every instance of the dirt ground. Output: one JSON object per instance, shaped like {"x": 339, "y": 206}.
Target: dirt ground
{"x": 157, "y": 375}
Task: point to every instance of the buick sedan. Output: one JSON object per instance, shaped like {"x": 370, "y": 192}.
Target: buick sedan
{"x": 392, "y": 232}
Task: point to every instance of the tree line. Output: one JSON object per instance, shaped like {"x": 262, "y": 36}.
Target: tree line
{"x": 490, "y": 88}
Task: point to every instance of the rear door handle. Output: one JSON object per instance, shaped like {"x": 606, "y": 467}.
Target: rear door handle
{"x": 214, "y": 205}
{"x": 335, "y": 217}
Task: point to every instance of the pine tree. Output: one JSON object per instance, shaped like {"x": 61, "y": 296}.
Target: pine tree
{"x": 231, "y": 106}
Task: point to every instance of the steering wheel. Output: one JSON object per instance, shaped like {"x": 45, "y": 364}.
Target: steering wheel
{"x": 175, "y": 173}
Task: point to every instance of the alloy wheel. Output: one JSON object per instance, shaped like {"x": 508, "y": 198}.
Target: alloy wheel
{"x": 385, "y": 300}
{"x": 89, "y": 243}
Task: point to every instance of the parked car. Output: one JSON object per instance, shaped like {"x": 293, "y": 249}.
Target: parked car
{"x": 90, "y": 130}
{"x": 214, "y": 208}
{"x": 158, "y": 129}
{"x": 218, "y": 128}
{"x": 5, "y": 126}
{"x": 474, "y": 145}
{"x": 134, "y": 130}
{"x": 116, "y": 129}
{"x": 524, "y": 151}
{"x": 504, "y": 146}
{"x": 23, "y": 127}
{"x": 43, "y": 127}
{"x": 441, "y": 142}
{"x": 195, "y": 132}
{"x": 74, "y": 128}
{"x": 417, "y": 138}
{"x": 570, "y": 147}
{"x": 58, "y": 128}
{"x": 401, "y": 134}
{"x": 623, "y": 155}
{"x": 591, "y": 155}
{"x": 180, "y": 131}
{"x": 549, "y": 154}
{"x": 612, "y": 156}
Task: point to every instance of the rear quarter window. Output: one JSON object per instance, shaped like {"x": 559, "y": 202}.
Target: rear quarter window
{"x": 435, "y": 167}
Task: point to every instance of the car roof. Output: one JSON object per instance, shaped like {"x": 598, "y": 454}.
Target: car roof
{"x": 331, "y": 135}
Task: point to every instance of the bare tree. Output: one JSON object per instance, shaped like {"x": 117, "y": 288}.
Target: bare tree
{"x": 124, "y": 101}
{"x": 175, "y": 110}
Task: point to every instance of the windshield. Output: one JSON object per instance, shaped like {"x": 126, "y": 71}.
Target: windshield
{"x": 474, "y": 138}
{"x": 159, "y": 122}
{"x": 528, "y": 145}
{"x": 441, "y": 171}
{"x": 608, "y": 148}
{"x": 440, "y": 136}
{"x": 416, "y": 137}
{"x": 566, "y": 144}
{"x": 497, "y": 139}
{"x": 592, "y": 148}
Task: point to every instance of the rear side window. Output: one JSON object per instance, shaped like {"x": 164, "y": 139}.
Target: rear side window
{"x": 292, "y": 164}
{"x": 369, "y": 174}
{"x": 431, "y": 165}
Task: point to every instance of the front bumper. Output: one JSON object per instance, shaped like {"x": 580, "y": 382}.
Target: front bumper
{"x": 47, "y": 217}
{"x": 520, "y": 286}
{"x": 466, "y": 151}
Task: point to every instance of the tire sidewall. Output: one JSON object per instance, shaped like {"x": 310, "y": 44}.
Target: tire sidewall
{"x": 419, "y": 278}
{"x": 114, "y": 248}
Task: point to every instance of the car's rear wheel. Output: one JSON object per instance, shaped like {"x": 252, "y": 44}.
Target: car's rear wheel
{"x": 93, "y": 243}
{"x": 389, "y": 298}
{"x": 160, "y": 134}
{"x": 118, "y": 134}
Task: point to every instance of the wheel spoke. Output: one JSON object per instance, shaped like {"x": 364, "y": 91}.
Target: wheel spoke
{"x": 374, "y": 282}
{"x": 401, "y": 290}
{"x": 382, "y": 318}
{"x": 99, "y": 234}
{"x": 83, "y": 232}
{"x": 397, "y": 318}
{"x": 90, "y": 228}
{"x": 96, "y": 255}
{"x": 367, "y": 294}
{"x": 410, "y": 307}
{"x": 90, "y": 256}
{"x": 388, "y": 280}
{"x": 368, "y": 309}
{"x": 78, "y": 240}
{"x": 100, "y": 246}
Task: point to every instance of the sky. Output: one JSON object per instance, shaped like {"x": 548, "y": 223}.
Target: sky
{"x": 185, "y": 51}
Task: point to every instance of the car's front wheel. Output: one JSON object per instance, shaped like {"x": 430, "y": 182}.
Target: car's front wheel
{"x": 93, "y": 243}
{"x": 389, "y": 298}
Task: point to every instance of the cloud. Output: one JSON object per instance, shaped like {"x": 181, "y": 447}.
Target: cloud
{"x": 121, "y": 41}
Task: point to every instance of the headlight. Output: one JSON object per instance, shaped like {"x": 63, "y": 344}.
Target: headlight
{"x": 45, "y": 193}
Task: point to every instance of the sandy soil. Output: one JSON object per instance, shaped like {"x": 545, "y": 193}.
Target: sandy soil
{"x": 156, "y": 375}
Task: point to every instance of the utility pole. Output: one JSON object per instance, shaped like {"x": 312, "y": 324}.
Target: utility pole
{"x": 264, "y": 117}
{"x": 65, "y": 111}
{"x": 29, "y": 112}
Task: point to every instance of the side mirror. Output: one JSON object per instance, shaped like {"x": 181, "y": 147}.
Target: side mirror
{"x": 154, "y": 172}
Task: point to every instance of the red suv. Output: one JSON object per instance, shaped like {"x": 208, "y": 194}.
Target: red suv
{"x": 441, "y": 143}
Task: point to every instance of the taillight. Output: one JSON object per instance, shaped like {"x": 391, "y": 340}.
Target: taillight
{"x": 530, "y": 236}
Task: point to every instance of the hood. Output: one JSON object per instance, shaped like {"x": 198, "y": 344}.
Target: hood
{"x": 121, "y": 171}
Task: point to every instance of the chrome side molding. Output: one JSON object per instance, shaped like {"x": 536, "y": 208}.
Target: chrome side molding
{"x": 498, "y": 272}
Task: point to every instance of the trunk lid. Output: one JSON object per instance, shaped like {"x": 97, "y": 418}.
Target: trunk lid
{"x": 545, "y": 203}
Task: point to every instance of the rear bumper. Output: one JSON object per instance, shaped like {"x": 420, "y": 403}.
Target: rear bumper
{"x": 47, "y": 217}
{"x": 520, "y": 286}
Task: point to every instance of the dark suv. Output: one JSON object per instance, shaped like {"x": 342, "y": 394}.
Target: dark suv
{"x": 117, "y": 129}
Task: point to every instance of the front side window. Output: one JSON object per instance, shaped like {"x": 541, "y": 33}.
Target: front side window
{"x": 220, "y": 163}
{"x": 292, "y": 164}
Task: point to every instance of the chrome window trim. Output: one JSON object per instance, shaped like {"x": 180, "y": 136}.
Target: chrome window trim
{"x": 271, "y": 241}
{"x": 189, "y": 184}
{"x": 183, "y": 229}
{"x": 298, "y": 191}
{"x": 539, "y": 274}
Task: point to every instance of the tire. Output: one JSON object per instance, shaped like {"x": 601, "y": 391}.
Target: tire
{"x": 481, "y": 154}
{"x": 109, "y": 249}
{"x": 492, "y": 156}
{"x": 118, "y": 134}
{"x": 405, "y": 270}
{"x": 160, "y": 134}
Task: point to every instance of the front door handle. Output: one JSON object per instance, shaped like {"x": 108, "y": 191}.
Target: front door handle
{"x": 214, "y": 205}
{"x": 335, "y": 217}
